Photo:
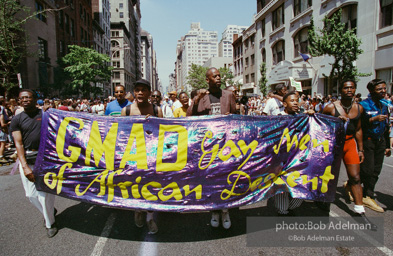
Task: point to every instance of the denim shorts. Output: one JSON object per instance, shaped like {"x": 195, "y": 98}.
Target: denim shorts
{"x": 3, "y": 136}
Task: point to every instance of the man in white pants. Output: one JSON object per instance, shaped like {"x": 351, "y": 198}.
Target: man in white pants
{"x": 26, "y": 129}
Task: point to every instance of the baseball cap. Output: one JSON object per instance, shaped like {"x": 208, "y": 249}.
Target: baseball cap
{"x": 40, "y": 102}
{"x": 144, "y": 83}
{"x": 173, "y": 92}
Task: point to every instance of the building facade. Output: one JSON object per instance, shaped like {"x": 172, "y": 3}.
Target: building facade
{"x": 196, "y": 47}
{"x": 282, "y": 30}
{"x": 225, "y": 46}
{"x": 249, "y": 68}
{"x": 125, "y": 21}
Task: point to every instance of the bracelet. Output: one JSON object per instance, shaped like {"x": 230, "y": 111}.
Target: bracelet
{"x": 361, "y": 151}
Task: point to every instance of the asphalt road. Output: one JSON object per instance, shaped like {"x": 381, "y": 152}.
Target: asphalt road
{"x": 86, "y": 229}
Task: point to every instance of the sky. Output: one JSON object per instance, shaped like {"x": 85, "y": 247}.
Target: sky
{"x": 168, "y": 20}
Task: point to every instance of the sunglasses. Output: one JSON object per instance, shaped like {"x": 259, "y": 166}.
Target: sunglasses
{"x": 155, "y": 96}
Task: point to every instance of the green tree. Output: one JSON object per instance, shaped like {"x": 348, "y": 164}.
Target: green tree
{"x": 197, "y": 77}
{"x": 13, "y": 41}
{"x": 226, "y": 77}
{"x": 336, "y": 40}
{"x": 86, "y": 66}
{"x": 262, "y": 83}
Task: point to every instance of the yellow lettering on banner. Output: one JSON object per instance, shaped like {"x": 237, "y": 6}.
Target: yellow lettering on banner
{"x": 96, "y": 145}
{"x": 268, "y": 181}
{"x": 314, "y": 181}
{"x": 325, "y": 144}
{"x": 230, "y": 193}
{"x": 57, "y": 180}
{"x": 134, "y": 188}
{"x": 214, "y": 151}
{"x": 111, "y": 186}
{"x": 304, "y": 141}
{"x": 278, "y": 180}
{"x": 60, "y": 140}
{"x": 255, "y": 184}
{"x": 292, "y": 177}
{"x": 176, "y": 193}
{"x": 325, "y": 179}
{"x": 138, "y": 134}
{"x": 182, "y": 148}
{"x": 234, "y": 151}
{"x": 100, "y": 178}
{"x": 197, "y": 190}
{"x": 147, "y": 194}
{"x": 123, "y": 188}
{"x": 244, "y": 148}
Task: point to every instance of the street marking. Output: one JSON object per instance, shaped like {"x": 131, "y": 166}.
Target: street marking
{"x": 388, "y": 165}
{"x": 148, "y": 248}
{"x": 104, "y": 235}
{"x": 377, "y": 244}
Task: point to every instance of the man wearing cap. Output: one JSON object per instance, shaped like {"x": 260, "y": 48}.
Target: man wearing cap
{"x": 114, "y": 107}
{"x": 214, "y": 101}
{"x": 175, "y": 102}
{"x": 142, "y": 106}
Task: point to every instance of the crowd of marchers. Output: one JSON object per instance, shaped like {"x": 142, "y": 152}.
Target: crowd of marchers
{"x": 367, "y": 134}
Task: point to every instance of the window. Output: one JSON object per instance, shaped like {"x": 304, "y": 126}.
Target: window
{"x": 67, "y": 23}
{"x": 116, "y": 75}
{"x": 72, "y": 31}
{"x": 386, "y": 13}
{"x": 39, "y": 8}
{"x": 61, "y": 18}
{"x": 62, "y": 48}
{"x": 42, "y": 49}
{"x": 253, "y": 78}
{"x": 349, "y": 16}
{"x": 301, "y": 42}
{"x": 278, "y": 17}
{"x": 247, "y": 79}
{"x": 263, "y": 28}
{"x": 247, "y": 62}
{"x": 252, "y": 60}
{"x": 116, "y": 64}
{"x": 263, "y": 55}
{"x": 120, "y": 5}
{"x": 300, "y": 6}
{"x": 278, "y": 52}
{"x": 121, "y": 15}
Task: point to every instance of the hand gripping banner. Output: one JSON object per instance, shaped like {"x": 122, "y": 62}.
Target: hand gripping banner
{"x": 188, "y": 164}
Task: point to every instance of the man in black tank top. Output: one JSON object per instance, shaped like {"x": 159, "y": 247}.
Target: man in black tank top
{"x": 142, "y": 106}
{"x": 348, "y": 110}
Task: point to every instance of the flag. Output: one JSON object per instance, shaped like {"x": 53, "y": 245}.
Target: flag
{"x": 305, "y": 57}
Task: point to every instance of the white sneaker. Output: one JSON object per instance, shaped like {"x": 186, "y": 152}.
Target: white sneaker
{"x": 215, "y": 221}
{"x": 226, "y": 221}
{"x": 151, "y": 224}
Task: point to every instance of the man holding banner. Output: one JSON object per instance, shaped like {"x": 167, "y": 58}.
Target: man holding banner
{"x": 142, "y": 92}
{"x": 26, "y": 129}
{"x": 214, "y": 101}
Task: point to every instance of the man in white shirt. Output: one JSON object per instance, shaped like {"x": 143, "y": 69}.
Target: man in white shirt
{"x": 274, "y": 106}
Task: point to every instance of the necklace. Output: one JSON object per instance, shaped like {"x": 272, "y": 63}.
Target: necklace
{"x": 347, "y": 109}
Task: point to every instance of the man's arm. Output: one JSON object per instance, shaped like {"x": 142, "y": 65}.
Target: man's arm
{"x": 21, "y": 155}
{"x": 359, "y": 137}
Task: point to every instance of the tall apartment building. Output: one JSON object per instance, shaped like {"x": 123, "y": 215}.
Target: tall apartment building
{"x": 196, "y": 47}
{"x": 101, "y": 35}
{"x": 37, "y": 70}
{"x": 125, "y": 22}
{"x": 238, "y": 58}
{"x": 282, "y": 29}
{"x": 225, "y": 48}
{"x": 146, "y": 48}
{"x": 250, "y": 68}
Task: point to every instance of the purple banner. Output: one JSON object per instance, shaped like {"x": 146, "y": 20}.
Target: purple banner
{"x": 188, "y": 164}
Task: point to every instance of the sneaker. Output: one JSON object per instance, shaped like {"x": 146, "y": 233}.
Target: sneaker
{"x": 226, "y": 221}
{"x": 215, "y": 221}
{"x": 138, "y": 218}
{"x": 348, "y": 191}
{"x": 52, "y": 231}
{"x": 366, "y": 221}
{"x": 151, "y": 224}
{"x": 370, "y": 203}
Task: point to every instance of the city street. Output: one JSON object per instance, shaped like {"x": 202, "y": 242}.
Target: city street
{"x": 86, "y": 229}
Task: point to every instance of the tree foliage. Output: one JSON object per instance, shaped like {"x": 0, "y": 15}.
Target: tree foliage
{"x": 197, "y": 77}
{"x": 226, "y": 77}
{"x": 86, "y": 66}
{"x": 12, "y": 40}
{"x": 262, "y": 83}
{"x": 336, "y": 40}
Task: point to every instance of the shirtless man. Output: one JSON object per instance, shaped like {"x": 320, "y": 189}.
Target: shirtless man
{"x": 348, "y": 109}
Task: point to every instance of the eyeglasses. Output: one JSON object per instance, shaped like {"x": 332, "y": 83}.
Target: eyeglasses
{"x": 155, "y": 96}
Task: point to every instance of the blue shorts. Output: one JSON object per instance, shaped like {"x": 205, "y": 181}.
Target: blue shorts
{"x": 3, "y": 136}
